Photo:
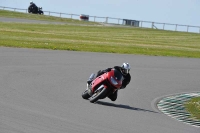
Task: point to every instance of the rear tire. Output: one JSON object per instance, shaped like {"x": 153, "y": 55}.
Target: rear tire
{"x": 98, "y": 95}
{"x": 85, "y": 94}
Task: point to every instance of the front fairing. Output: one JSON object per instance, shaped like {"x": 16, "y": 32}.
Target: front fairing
{"x": 115, "y": 77}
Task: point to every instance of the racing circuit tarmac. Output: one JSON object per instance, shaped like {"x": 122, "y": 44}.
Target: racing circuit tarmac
{"x": 41, "y": 90}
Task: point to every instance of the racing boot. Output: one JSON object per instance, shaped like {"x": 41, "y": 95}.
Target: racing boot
{"x": 113, "y": 96}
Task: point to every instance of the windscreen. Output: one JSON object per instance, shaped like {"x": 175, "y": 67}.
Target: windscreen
{"x": 118, "y": 75}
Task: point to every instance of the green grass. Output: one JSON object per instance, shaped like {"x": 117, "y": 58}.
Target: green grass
{"x": 193, "y": 107}
{"x": 96, "y": 38}
{"x": 12, "y": 14}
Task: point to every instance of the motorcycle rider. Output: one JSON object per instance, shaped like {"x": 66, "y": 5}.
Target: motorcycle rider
{"x": 124, "y": 69}
{"x": 32, "y": 8}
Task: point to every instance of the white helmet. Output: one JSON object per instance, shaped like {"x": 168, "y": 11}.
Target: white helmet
{"x": 125, "y": 68}
{"x": 31, "y": 2}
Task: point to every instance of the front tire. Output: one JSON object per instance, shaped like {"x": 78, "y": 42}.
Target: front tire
{"x": 98, "y": 95}
{"x": 85, "y": 94}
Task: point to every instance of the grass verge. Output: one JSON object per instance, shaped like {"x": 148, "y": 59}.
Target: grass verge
{"x": 193, "y": 107}
{"x": 97, "y": 38}
{"x": 12, "y": 14}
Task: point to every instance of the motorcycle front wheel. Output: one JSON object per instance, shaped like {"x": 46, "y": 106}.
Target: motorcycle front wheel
{"x": 98, "y": 95}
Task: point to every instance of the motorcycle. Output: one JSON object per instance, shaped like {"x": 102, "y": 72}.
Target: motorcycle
{"x": 35, "y": 10}
{"x": 103, "y": 85}
{"x": 40, "y": 11}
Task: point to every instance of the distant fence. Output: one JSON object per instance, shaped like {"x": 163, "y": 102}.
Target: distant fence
{"x": 119, "y": 21}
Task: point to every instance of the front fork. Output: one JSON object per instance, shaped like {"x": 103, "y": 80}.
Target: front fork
{"x": 92, "y": 76}
{"x": 89, "y": 89}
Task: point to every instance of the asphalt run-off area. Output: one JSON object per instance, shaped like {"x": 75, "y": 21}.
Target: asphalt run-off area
{"x": 41, "y": 92}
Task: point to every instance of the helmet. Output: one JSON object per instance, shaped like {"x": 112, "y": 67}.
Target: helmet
{"x": 125, "y": 68}
{"x": 31, "y": 2}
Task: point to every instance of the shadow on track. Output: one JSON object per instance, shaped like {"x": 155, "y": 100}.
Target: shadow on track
{"x": 123, "y": 106}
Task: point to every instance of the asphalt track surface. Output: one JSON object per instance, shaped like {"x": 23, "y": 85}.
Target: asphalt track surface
{"x": 40, "y": 92}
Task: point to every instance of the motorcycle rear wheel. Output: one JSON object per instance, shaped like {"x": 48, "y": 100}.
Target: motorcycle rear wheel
{"x": 85, "y": 94}
{"x": 98, "y": 95}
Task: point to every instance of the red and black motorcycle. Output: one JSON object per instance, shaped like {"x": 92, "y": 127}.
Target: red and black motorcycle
{"x": 103, "y": 85}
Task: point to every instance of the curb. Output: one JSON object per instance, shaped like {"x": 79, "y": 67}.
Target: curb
{"x": 173, "y": 106}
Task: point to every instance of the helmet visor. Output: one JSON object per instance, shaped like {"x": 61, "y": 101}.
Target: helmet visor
{"x": 125, "y": 71}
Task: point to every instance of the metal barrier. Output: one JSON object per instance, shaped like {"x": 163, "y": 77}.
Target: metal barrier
{"x": 119, "y": 21}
